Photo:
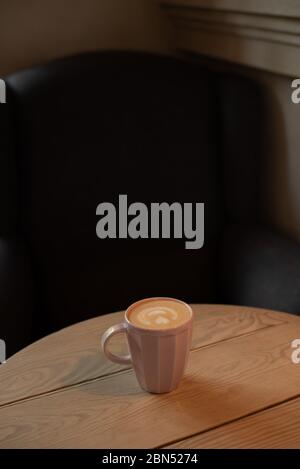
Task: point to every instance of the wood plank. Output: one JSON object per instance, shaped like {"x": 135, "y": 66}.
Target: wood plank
{"x": 226, "y": 381}
{"x": 276, "y": 428}
{"x": 263, "y": 55}
{"x": 248, "y": 33}
{"x": 288, "y": 8}
{"x": 73, "y": 355}
{"x": 251, "y": 32}
{"x": 236, "y": 20}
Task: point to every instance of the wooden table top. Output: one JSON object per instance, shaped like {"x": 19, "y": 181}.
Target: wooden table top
{"x": 241, "y": 389}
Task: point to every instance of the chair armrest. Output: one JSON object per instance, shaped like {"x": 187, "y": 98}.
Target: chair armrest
{"x": 16, "y": 295}
{"x": 260, "y": 267}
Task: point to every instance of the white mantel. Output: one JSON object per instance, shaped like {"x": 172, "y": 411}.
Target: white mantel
{"x": 264, "y": 34}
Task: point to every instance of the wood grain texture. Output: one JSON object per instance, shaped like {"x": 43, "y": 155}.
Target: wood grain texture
{"x": 278, "y": 428}
{"x": 225, "y": 381}
{"x": 73, "y": 355}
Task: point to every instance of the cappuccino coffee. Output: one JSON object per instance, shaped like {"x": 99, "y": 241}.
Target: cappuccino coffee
{"x": 159, "y": 334}
{"x": 162, "y": 313}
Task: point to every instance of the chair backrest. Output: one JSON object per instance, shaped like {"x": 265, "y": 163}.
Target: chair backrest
{"x": 93, "y": 126}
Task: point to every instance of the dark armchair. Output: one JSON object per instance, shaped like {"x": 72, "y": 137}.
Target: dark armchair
{"x": 82, "y": 130}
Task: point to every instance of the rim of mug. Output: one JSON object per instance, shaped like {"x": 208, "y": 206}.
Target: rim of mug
{"x": 168, "y": 330}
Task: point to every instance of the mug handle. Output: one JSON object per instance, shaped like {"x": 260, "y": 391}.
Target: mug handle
{"x": 117, "y": 329}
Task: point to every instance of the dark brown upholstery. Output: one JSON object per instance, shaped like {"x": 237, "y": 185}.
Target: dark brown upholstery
{"x": 87, "y": 128}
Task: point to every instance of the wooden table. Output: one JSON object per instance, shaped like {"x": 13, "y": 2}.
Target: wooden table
{"x": 241, "y": 389}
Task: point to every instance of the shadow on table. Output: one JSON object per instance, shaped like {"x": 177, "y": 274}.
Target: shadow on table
{"x": 197, "y": 397}
{"x": 98, "y": 378}
{"x": 199, "y": 402}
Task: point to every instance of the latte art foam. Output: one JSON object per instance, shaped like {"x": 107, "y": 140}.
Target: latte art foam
{"x": 156, "y": 316}
{"x": 159, "y": 314}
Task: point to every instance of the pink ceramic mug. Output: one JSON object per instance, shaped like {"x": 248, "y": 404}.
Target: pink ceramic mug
{"x": 158, "y": 356}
